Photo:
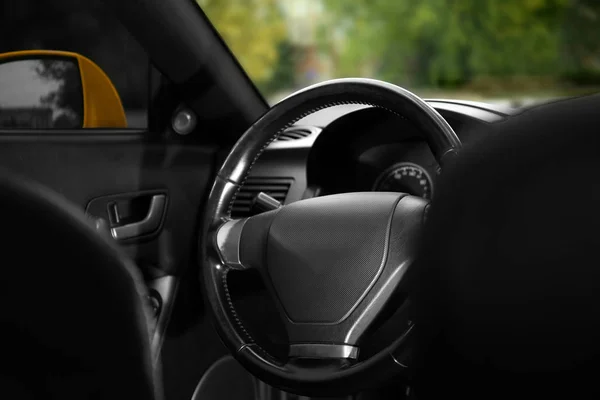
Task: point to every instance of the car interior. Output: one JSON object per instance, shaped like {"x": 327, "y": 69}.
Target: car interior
{"x": 170, "y": 233}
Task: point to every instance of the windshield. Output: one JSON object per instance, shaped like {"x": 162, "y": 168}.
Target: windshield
{"x": 514, "y": 52}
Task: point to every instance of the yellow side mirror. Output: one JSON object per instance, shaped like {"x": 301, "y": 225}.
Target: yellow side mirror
{"x": 56, "y": 89}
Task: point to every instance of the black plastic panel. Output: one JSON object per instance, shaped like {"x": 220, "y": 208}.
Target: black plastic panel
{"x": 84, "y": 167}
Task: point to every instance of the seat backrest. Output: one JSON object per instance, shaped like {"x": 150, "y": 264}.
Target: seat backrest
{"x": 509, "y": 277}
{"x": 74, "y": 322}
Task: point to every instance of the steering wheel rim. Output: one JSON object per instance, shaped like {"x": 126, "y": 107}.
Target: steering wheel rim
{"x": 303, "y": 378}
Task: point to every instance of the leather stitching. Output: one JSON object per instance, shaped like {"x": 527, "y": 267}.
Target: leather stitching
{"x": 232, "y": 309}
{"x": 238, "y": 321}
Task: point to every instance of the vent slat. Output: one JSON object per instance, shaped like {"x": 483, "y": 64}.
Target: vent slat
{"x": 252, "y": 193}
{"x": 275, "y": 187}
{"x": 295, "y": 133}
{"x": 254, "y": 179}
{"x": 245, "y": 195}
{"x": 243, "y": 202}
{"x": 263, "y": 188}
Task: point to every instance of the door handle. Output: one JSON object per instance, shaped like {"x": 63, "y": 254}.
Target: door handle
{"x": 149, "y": 224}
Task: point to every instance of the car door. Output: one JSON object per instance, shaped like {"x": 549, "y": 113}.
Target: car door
{"x": 186, "y": 101}
{"x": 153, "y": 170}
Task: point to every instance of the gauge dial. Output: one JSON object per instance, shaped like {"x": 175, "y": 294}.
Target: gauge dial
{"x": 405, "y": 178}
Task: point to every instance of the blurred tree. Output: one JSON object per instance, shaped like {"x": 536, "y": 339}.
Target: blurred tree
{"x": 581, "y": 42}
{"x": 67, "y": 100}
{"x": 445, "y": 42}
{"x": 66, "y": 121}
{"x": 253, "y": 30}
{"x": 284, "y": 73}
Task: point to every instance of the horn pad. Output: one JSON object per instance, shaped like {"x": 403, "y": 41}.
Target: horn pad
{"x": 324, "y": 254}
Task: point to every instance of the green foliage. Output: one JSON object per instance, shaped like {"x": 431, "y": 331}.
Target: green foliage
{"x": 580, "y": 36}
{"x": 252, "y": 29}
{"x": 284, "y": 73}
{"x": 449, "y": 43}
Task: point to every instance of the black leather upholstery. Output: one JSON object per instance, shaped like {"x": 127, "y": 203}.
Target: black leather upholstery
{"x": 510, "y": 278}
{"x": 73, "y": 319}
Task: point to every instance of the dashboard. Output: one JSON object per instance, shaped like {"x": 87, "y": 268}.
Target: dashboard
{"x": 353, "y": 148}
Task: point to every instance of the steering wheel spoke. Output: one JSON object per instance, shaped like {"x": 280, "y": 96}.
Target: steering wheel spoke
{"x": 228, "y": 239}
{"x": 240, "y": 242}
{"x": 317, "y": 325}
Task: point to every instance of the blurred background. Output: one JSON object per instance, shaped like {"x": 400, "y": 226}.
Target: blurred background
{"x": 504, "y": 51}
{"x": 513, "y": 52}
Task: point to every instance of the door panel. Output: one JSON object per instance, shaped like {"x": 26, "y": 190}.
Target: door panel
{"x": 93, "y": 169}
{"x": 84, "y": 167}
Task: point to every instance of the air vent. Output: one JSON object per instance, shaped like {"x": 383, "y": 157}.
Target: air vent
{"x": 297, "y": 132}
{"x": 274, "y": 187}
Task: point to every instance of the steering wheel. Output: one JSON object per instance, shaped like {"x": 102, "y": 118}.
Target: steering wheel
{"x": 332, "y": 263}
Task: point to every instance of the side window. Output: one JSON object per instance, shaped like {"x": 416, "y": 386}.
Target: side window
{"x": 83, "y": 27}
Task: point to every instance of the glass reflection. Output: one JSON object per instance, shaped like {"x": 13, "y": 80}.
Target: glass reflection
{"x": 40, "y": 94}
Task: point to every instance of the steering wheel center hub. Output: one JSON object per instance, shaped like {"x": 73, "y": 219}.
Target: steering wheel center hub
{"x": 324, "y": 254}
